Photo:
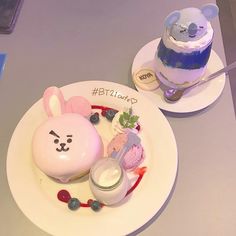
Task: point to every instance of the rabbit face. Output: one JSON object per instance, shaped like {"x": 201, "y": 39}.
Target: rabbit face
{"x": 65, "y": 145}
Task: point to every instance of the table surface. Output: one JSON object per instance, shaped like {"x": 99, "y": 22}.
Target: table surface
{"x": 59, "y": 42}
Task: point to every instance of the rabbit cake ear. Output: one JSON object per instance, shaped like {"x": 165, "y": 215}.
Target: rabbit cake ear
{"x": 210, "y": 10}
{"x": 80, "y": 105}
{"x": 53, "y": 101}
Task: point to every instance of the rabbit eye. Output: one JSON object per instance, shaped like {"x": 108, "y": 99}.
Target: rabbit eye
{"x": 56, "y": 141}
{"x": 69, "y": 140}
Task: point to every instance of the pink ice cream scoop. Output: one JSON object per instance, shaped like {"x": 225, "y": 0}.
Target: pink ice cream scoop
{"x": 133, "y": 157}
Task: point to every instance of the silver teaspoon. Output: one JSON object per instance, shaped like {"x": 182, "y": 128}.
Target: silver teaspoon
{"x": 173, "y": 95}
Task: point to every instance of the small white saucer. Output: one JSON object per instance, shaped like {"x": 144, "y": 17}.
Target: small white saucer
{"x": 194, "y": 100}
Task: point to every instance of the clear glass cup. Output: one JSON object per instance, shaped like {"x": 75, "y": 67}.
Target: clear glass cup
{"x": 108, "y": 181}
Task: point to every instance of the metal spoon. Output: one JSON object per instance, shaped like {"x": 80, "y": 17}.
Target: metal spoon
{"x": 173, "y": 95}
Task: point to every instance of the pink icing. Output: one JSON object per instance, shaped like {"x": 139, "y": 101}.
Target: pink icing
{"x": 82, "y": 151}
{"x": 80, "y": 105}
{"x": 66, "y": 145}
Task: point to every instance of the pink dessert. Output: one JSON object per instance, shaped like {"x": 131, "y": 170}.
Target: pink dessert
{"x": 116, "y": 143}
{"x": 132, "y": 158}
{"x": 126, "y": 147}
{"x": 66, "y": 144}
{"x": 80, "y": 105}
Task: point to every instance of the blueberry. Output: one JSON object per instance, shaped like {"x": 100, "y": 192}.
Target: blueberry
{"x": 95, "y": 205}
{"x": 94, "y": 119}
{"x": 110, "y": 114}
{"x": 73, "y": 204}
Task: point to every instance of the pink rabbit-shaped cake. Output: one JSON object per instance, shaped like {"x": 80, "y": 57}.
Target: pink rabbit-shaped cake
{"x": 66, "y": 145}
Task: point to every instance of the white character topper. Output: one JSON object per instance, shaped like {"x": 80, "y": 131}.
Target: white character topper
{"x": 190, "y": 24}
{"x": 66, "y": 145}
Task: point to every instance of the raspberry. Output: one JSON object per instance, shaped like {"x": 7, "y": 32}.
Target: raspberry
{"x": 90, "y": 201}
{"x": 138, "y": 127}
{"x": 103, "y": 112}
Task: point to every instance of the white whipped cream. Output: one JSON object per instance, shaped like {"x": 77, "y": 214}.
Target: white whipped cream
{"x": 188, "y": 47}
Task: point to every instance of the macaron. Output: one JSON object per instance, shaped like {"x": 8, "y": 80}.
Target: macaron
{"x": 146, "y": 79}
{"x": 116, "y": 144}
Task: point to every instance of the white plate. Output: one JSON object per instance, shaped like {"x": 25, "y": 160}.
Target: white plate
{"x": 36, "y": 194}
{"x": 196, "y": 99}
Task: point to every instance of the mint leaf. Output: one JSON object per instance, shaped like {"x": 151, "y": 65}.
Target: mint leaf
{"x": 126, "y": 115}
{"x": 127, "y": 120}
{"x": 121, "y": 120}
{"x": 134, "y": 119}
{"x": 131, "y": 125}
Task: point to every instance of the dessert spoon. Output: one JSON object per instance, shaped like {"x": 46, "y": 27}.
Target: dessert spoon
{"x": 173, "y": 95}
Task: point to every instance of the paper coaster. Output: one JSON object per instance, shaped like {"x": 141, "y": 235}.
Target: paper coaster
{"x": 146, "y": 79}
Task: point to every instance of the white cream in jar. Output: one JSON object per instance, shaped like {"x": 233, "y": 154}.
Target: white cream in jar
{"x": 108, "y": 181}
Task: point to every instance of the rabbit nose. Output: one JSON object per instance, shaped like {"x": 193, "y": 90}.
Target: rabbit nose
{"x": 62, "y": 145}
{"x": 192, "y": 29}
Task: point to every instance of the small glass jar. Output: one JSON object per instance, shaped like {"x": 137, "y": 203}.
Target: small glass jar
{"x": 108, "y": 181}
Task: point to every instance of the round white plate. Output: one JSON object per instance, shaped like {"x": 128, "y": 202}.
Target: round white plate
{"x": 194, "y": 100}
{"x": 36, "y": 194}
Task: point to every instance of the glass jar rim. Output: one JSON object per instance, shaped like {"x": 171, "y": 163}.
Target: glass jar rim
{"x": 98, "y": 165}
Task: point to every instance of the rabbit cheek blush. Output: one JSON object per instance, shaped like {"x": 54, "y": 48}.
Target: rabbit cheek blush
{"x": 65, "y": 147}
